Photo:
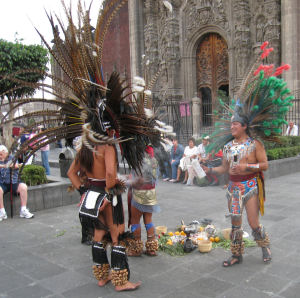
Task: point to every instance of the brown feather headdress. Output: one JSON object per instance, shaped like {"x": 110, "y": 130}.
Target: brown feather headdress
{"x": 83, "y": 104}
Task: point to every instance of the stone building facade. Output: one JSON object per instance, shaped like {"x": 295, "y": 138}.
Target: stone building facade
{"x": 196, "y": 48}
{"x": 202, "y": 46}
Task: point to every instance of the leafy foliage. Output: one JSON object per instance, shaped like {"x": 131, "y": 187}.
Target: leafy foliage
{"x": 173, "y": 250}
{"x": 34, "y": 175}
{"x": 223, "y": 243}
{"x": 279, "y": 153}
{"x": 15, "y": 57}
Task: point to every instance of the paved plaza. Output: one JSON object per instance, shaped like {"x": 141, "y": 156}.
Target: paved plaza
{"x": 43, "y": 257}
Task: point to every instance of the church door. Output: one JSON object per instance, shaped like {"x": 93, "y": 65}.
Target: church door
{"x": 212, "y": 73}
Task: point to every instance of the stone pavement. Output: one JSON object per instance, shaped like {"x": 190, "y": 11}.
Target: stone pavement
{"x": 43, "y": 257}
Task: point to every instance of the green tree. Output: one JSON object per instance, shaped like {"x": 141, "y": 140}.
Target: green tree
{"x": 15, "y": 57}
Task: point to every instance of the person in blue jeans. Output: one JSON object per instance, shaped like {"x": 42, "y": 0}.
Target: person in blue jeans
{"x": 176, "y": 153}
{"x": 45, "y": 156}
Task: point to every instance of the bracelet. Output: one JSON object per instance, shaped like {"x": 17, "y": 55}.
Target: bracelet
{"x": 253, "y": 165}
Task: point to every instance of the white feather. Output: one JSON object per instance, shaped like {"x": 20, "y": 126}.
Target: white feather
{"x": 148, "y": 92}
{"x": 137, "y": 89}
{"x": 148, "y": 112}
{"x": 138, "y": 81}
{"x": 168, "y": 5}
{"x": 163, "y": 129}
{"x": 160, "y": 123}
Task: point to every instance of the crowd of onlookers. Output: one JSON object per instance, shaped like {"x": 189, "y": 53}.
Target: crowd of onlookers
{"x": 177, "y": 164}
{"x": 184, "y": 164}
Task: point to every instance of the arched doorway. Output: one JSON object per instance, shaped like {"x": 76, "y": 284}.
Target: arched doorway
{"x": 212, "y": 73}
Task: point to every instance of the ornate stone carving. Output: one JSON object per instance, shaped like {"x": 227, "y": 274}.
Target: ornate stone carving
{"x": 204, "y": 12}
{"x": 242, "y": 43}
{"x": 268, "y": 26}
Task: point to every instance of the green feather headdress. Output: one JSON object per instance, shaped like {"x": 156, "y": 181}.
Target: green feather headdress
{"x": 262, "y": 103}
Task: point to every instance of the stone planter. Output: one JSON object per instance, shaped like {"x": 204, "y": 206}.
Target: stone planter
{"x": 44, "y": 196}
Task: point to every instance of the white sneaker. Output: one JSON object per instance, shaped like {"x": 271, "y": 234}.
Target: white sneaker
{"x": 26, "y": 214}
{"x": 166, "y": 179}
{"x": 172, "y": 180}
{"x": 3, "y": 215}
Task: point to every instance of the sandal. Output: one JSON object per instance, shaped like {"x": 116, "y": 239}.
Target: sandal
{"x": 151, "y": 253}
{"x": 233, "y": 260}
{"x": 266, "y": 254}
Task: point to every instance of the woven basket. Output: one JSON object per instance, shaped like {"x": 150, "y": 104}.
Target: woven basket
{"x": 161, "y": 229}
{"x": 204, "y": 245}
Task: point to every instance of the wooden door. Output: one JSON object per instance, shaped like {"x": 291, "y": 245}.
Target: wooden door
{"x": 212, "y": 73}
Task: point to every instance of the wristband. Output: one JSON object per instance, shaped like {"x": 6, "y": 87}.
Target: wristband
{"x": 81, "y": 189}
{"x": 253, "y": 165}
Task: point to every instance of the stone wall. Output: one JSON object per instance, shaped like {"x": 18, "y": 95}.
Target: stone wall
{"x": 290, "y": 11}
{"x": 116, "y": 48}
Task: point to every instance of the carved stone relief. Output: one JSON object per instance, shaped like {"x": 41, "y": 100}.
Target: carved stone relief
{"x": 204, "y": 12}
{"x": 242, "y": 42}
{"x": 247, "y": 24}
{"x": 268, "y": 26}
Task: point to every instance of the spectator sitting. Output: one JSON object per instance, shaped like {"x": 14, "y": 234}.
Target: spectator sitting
{"x": 195, "y": 168}
{"x": 7, "y": 183}
{"x": 190, "y": 153}
{"x": 176, "y": 154}
{"x": 202, "y": 156}
{"x": 292, "y": 129}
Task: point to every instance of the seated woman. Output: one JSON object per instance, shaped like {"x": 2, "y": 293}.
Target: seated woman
{"x": 190, "y": 153}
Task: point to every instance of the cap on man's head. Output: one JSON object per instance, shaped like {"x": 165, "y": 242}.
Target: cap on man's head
{"x": 3, "y": 148}
{"x": 206, "y": 138}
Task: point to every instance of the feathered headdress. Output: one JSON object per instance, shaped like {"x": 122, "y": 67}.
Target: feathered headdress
{"x": 84, "y": 105}
{"x": 261, "y": 103}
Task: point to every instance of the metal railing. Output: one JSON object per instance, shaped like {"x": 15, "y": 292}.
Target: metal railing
{"x": 294, "y": 112}
{"x": 180, "y": 116}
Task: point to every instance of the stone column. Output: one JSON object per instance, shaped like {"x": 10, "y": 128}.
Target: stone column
{"x": 136, "y": 36}
{"x": 196, "y": 117}
{"x": 290, "y": 30}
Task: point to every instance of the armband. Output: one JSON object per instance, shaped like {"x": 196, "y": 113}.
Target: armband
{"x": 253, "y": 165}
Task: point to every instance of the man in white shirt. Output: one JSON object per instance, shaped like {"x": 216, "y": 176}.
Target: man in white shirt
{"x": 202, "y": 156}
{"x": 292, "y": 129}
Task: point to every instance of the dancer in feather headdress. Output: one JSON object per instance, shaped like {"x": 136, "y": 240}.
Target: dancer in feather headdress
{"x": 103, "y": 115}
{"x": 257, "y": 113}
